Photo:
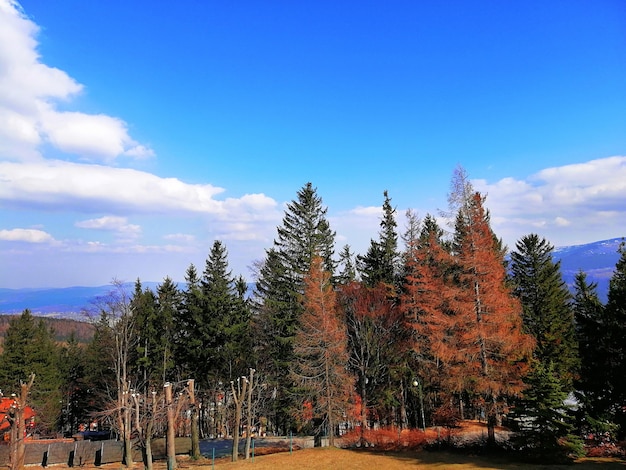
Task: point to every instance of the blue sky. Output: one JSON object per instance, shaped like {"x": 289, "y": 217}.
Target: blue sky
{"x": 133, "y": 134}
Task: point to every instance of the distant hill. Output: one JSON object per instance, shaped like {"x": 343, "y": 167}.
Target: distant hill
{"x": 597, "y": 259}
{"x": 64, "y": 302}
{"x": 62, "y": 327}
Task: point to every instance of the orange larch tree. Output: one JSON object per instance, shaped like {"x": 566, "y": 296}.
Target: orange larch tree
{"x": 491, "y": 353}
{"x": 425, "y": 304}
{"x": 320, "y": 368}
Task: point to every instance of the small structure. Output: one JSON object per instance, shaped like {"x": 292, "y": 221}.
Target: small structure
{"x": 6, "y": 403}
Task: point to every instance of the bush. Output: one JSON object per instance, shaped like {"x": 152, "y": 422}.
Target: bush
{"x": 391, "y": 438}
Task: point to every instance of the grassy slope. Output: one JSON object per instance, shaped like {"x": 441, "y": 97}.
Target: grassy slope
{"x": 332, "y": 458}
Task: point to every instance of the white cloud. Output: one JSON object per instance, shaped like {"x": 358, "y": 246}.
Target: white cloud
{"x": 88, "y": 188}
{"x": 110, "y": 223}
{"x": 26, "y": 235}
{"x": 29, "y": 93}
{"x": 570, "y": 204}
{"x": 91, "y": 135}
{"x": 180, "y": 237}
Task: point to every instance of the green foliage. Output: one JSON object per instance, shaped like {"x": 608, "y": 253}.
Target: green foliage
{"x": 545, "y": 422}
{"x": 304, "y": 234}
{"x": 380, "y": 263}
{"x": 29, "y": 348}
{"x": 547, "y": 313}
{"x": 592, "y": 388}
{"x": 615, "y": 334}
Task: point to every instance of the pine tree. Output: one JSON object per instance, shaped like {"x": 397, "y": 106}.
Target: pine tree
{"x": 304, "y": 233}
{"x": 29, "y": 348}
{"x": 274, "y": 327}
{"x": 188, "y": 336}
{"x": 321, "y": 354}
{"x": 218, "y": 290}
{"x": 592, "y": 389}
{"x": 380, "y": 263}
{"x": 144, "y": 310}
{"x": 74, "y": 387}
{"x": 545, "y": 298}
{"x": 546, "y": 426}
{"x": 615, "y": 330}
{"x": 168, "y": 299}
{"x": 348, "y": 269}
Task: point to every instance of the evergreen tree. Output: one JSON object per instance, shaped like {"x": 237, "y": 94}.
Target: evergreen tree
{"x": 168, "y": 299}
{"x": 615, "y": 330}
{"x": 144, "y": 310}
{"x": 29, "y": 348}
{"x": 188, "y": 336}
{"x": 348, "y": 270}
{"x": 274, "y": 331}
{"x": 74, "y": 387}
{"x": 304, "y": 233}
{"x": 547, "y": 312}
{"x": 219, "y": 296}
{"x": 380, "y": 263}
{"x": 592, "y": 388}
{"x": 546, "y": 426}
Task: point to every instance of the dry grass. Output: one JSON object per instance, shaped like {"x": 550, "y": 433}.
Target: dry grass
{"x": 341, "y": 459}
{"x": 332, "y": 458}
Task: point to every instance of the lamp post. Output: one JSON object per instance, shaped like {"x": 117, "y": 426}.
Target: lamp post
{"x": 418, "y": 384}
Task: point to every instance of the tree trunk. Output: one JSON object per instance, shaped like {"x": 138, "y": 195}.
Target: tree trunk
{"x": 249, "y": 420}
{"x": 18, "y": 426}
{"x": 171, "y": 432}
{"x": 195, "y": 432}
{"x": 238, "y": 396}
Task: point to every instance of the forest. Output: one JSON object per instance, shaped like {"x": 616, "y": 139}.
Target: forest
{"x": 431, "y": 325}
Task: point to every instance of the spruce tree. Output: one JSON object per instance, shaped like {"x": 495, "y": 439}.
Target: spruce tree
{"x": 347, "y": 273}
{"x": 380, "y": 263}
{"x": 546, "y": 425}
{"x": 29, "y": 348}
{"x": 592, "y": 387}
{"x": 304, "y": 233}
{"x": 615, "y": 328}
{"x": 547, "y": 311}
{"x": 74, "y": 387}
{"x": 168, "y": 299}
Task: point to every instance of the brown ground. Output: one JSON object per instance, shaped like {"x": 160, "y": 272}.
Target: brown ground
{"x": 333, "y": 458}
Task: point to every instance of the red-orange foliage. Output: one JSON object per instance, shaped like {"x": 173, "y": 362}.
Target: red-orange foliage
{"x": 377, "y": 339}
{"x": 468, "y": 327}
{"x": 321, "y": 350}
{"x": 493, "y": 351}
{"x": 391, "y": 438}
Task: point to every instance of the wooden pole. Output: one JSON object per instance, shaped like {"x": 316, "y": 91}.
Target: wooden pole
{"x": 18, "y": 428}
{"x": 195, "y": 429}
{"x": 170, "y": 438}
{"x": 249, "y": 415}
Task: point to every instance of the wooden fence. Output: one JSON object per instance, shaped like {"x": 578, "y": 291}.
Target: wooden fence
{"x": 77, "y": 453}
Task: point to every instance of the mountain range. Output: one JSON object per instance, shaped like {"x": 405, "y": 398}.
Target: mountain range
{"x": 597, "y": 259}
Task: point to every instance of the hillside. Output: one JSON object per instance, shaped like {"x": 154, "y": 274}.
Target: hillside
{"x": 62, "y": 328}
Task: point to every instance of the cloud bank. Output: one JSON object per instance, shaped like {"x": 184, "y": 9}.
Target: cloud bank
{"x": 570, "y": 203}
